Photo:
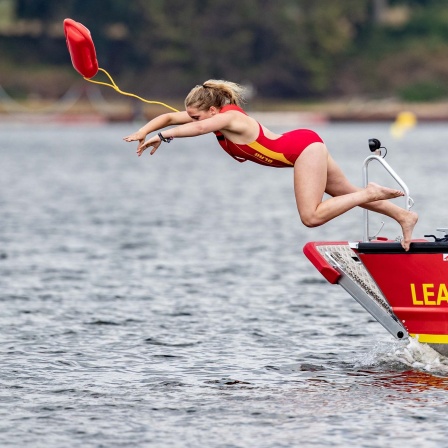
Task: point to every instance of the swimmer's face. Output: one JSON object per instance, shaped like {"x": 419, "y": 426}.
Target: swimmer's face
{"x": 198, "y": 115}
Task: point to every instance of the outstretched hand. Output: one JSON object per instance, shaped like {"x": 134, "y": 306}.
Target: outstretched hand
{"x": 142, "y": 145}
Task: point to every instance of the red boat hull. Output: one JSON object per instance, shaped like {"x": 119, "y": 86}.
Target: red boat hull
{"x": 414, "y": 283}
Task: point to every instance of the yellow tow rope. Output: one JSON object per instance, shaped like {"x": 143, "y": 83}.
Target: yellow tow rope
{"x": 115, "y": 87}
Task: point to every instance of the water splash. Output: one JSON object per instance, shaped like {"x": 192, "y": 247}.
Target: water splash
{"x": 404, "y": 354}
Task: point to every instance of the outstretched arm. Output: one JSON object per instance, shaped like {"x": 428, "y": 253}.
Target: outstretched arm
{"x": 215, "y": 123}
{"x": 160, "y": 122}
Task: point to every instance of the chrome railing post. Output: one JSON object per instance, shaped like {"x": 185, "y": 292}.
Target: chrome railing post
{"x": 395, "y": 176}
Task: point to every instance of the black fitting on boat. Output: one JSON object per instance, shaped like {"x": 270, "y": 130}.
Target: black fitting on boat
{"x": 438, "y": 240}
{"x": 375, "y": 147}
{"x": 374, "y": 144}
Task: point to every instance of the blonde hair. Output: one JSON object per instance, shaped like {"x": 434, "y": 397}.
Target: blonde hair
{"x": 215, "y": 92}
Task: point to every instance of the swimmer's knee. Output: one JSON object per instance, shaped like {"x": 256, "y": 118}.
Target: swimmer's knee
{"x": 310, "y": 220}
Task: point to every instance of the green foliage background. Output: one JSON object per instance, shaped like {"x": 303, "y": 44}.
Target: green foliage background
{"x": 295, "y": 49}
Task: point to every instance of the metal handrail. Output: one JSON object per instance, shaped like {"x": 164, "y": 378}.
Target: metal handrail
{"x": 395, "y": 176}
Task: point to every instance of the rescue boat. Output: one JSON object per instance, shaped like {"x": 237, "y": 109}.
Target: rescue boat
{"x": 406, "y": 292}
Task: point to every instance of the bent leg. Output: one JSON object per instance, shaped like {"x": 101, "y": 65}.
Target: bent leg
{"x": 315, "y": 172}
{"x": 338, "y": 184}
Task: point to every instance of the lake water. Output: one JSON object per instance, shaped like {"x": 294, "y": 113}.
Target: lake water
{"x": 165, "y": 301}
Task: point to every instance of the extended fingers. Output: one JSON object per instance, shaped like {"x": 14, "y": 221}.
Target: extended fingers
{"x": 154, "y": 149}
{"x": 141, "y": 148}
{"x": 130, "y": 138}
{"x": 135, "y": 136}
{"x": 146, "y": 145}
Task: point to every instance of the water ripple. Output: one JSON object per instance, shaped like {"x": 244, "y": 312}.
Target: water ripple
{"x": 165, "y": 302}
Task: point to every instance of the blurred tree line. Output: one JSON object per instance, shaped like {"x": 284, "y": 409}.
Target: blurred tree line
{"x": 293, "y": 49}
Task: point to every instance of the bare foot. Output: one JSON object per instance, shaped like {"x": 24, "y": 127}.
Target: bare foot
{"x": 407, "y": 224}
{"x": 378, "y": 192}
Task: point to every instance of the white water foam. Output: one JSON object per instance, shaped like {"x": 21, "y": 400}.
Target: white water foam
{"x": 409, "y": 353}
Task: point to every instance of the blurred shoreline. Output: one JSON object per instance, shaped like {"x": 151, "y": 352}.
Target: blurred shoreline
{"x": 267, "y": 112}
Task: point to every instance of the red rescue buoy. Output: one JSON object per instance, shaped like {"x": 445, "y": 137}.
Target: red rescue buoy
{"x": 81, "y": 48}
{"x": 83, "y": 55}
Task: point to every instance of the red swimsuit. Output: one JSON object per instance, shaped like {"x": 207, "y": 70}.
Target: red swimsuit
{"x": 280, "y": 153}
